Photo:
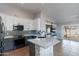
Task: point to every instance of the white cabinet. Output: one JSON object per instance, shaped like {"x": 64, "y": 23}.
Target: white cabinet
{"x": 9, "y": 21}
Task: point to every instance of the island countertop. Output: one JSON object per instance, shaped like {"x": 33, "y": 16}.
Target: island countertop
{"x": 42, "y": 42}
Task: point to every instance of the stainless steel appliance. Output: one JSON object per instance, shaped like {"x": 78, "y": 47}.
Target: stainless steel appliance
{"x": 1, "y": 36}
{"x": 18, "y": 28}
{"x": 20, "y": 40}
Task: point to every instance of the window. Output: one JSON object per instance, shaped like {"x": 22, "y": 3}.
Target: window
{"x": 71, "y": 31}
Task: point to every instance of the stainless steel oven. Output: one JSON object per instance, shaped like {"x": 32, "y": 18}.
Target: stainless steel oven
{"x": 19, "y": 42}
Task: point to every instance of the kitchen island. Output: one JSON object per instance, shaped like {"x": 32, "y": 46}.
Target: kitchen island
{"x": 41, "y": 47}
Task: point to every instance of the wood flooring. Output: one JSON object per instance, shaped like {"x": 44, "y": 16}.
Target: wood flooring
{"x": 64, "y": 48}
{"x": 67, "y": 48}
{"x": 24, "y": 51}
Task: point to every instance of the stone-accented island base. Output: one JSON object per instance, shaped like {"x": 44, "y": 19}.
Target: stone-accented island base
{"x": 41, "y": 47}
{"x": 40, "y": 51}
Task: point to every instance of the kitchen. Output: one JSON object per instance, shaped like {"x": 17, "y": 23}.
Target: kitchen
{"x": 19, "y": 28}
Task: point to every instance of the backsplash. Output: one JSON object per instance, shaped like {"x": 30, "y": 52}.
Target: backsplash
{"x": 8, "y": 33}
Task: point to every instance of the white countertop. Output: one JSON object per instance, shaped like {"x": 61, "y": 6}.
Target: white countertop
{"x": 42, "y": 42}
{"x": 11, "y": 36}
{"x": 30, "y": 34}
{"x": 6, "y": 37}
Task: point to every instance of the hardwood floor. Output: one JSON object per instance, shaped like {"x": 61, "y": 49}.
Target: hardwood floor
{"x": 67, "y": 48}
{"x": 18, "y": 52}
{"x": 64, "y": 48}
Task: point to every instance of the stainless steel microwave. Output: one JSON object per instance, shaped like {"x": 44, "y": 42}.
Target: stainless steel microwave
{"x": 18, "y": 28}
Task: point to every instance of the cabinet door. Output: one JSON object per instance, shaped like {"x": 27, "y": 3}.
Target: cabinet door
{"x": 8, "y": 44}
{"x": 9, "y": 23}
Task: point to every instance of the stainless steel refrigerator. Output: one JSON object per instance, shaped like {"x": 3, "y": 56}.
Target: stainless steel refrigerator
{"x": 1, "y": 37}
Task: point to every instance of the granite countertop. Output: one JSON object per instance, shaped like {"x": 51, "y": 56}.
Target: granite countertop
{"x": 12, "y": 36}
{"x": 42, "y": 42}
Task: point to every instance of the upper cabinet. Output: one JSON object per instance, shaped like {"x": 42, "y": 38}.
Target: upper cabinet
{"x": 41, "y": 21}
{"x": 9, "y": 21}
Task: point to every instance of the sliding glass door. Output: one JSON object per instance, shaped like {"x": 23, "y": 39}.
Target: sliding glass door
{"x": 71, "y": 32}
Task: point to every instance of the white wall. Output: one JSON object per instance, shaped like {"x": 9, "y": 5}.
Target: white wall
{"x": 60, "y": 31}
{"x": 40, "y": 21}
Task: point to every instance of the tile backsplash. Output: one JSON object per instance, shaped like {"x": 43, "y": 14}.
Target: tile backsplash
{"x": 7, "y": 33}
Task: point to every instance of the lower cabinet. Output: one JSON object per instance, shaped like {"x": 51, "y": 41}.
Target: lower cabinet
{"x": 8, "y": 44}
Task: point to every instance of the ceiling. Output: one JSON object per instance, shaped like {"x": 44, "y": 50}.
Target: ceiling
{"x": 62, "y": 13}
